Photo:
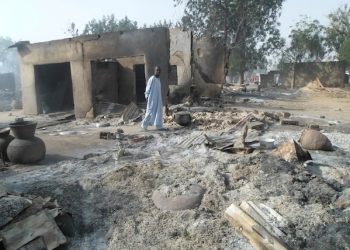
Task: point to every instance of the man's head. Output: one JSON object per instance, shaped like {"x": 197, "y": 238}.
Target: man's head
{"x": 157, "y": 71}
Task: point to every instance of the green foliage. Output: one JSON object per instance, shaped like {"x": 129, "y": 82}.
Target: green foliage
{"x": 344, "y": 50}
{"x": 247, "y": 27}
{"x": 109, "y": 24}
{"x": 339, "y": 28}
{"x": 164, "y": 23}
{"x": 72, "y": 30}
{"x": 5, "y": 42}
{"x": 307, "y": 42}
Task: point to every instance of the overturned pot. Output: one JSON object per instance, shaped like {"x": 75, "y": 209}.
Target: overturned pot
{"x": 5, "y": 139}
{"x": 25, "y": 148}
{"x": 183, "y": 118}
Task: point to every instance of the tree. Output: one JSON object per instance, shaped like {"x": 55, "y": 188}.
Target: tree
{"x": 9, "y": 61}
{"x": 338, "y": 29}
{"x": 307, "y": 42}
{"x": 344, "y": 50}
{"x": 245, "y": 25}
{"x": 165, "y": 23}
{"x": 72, "y": 30}
{"x": 109, "y": 24}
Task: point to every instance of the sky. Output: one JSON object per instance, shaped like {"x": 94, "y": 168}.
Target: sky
{"x": 43, "y": 20}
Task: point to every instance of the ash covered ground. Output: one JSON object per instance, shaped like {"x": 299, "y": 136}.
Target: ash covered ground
{"x": 107, "y": 186}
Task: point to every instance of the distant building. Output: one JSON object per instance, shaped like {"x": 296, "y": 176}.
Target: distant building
{"x": 331, "y": 74}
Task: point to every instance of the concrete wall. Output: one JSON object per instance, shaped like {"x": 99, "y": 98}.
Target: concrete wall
{"x": 180, "y": 54}
{"x": 152, "y": 44}
{"x": 331, "y": 74}
{"x": 208, "y": 66}
{"x": 208, "y": 60}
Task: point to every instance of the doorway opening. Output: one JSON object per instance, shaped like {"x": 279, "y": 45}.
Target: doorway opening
{"x": 140, "y": 83}
{"x": 105, "y": 86}
{"x": 54, "y": 89}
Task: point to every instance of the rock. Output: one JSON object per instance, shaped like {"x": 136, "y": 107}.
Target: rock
{"x": 344, "y": 200}
{"x": 10, "y": 206}
{"x": 286, "y": 114}
{"x": 178, "y": 197}
{"x": 256, "y": 125}
{"x": 315, "y": 140}
{"x": 292, "y": 152}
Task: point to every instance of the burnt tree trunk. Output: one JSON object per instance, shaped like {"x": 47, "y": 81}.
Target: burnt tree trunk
{"x": 241, "y": 76}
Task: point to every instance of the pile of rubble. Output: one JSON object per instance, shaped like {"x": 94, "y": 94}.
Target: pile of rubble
{"x": 227, "y": 180}
{"x": 32, "y": 222}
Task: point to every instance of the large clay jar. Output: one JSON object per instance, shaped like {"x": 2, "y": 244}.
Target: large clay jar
{"x": 25, "y": 148}
{"x": 183, "y": 118}
{"x": 5, "y": 139}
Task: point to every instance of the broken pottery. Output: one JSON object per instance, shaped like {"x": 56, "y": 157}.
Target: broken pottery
{"x": 25, "y": 148}
{"x": 5, "y": 139}
{"x": 315, "y": 140}
{"x": 189, "y": 199}
{"x": 291, "y": 151}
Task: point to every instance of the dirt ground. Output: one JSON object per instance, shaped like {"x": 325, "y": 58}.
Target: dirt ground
{"x": 107, "y": 185}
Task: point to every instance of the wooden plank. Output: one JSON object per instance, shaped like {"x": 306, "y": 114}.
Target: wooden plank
{"x": 40, "y": 225}
{"x": 52, "y": 123}
{"x": 259, "y": 216}
{"x": 36, "y": 244}
{"x": 257, "y": 235}
{"x": 241, "y": 122}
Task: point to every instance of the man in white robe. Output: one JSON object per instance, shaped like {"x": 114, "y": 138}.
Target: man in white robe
{"x": 153, "y": 94}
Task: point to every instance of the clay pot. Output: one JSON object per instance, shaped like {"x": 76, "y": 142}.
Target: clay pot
{"x": 5, "y": 139}
{"x": 26, "y": 151}
{"x": 315, "y": 140}
{"x": 183, "y": 118}
{"x": 25, "y": 148}
{"x": 23, "y": 129}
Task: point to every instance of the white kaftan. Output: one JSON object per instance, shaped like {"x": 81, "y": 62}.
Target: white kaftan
{"x": 154, "y": 111}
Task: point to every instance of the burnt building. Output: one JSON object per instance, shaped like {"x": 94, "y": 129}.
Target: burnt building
{"x": 78, "y": 73}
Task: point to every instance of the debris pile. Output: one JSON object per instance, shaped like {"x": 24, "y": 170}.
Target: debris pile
{"x": 33, "y": 222}
{"x": 229, "y": 179}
